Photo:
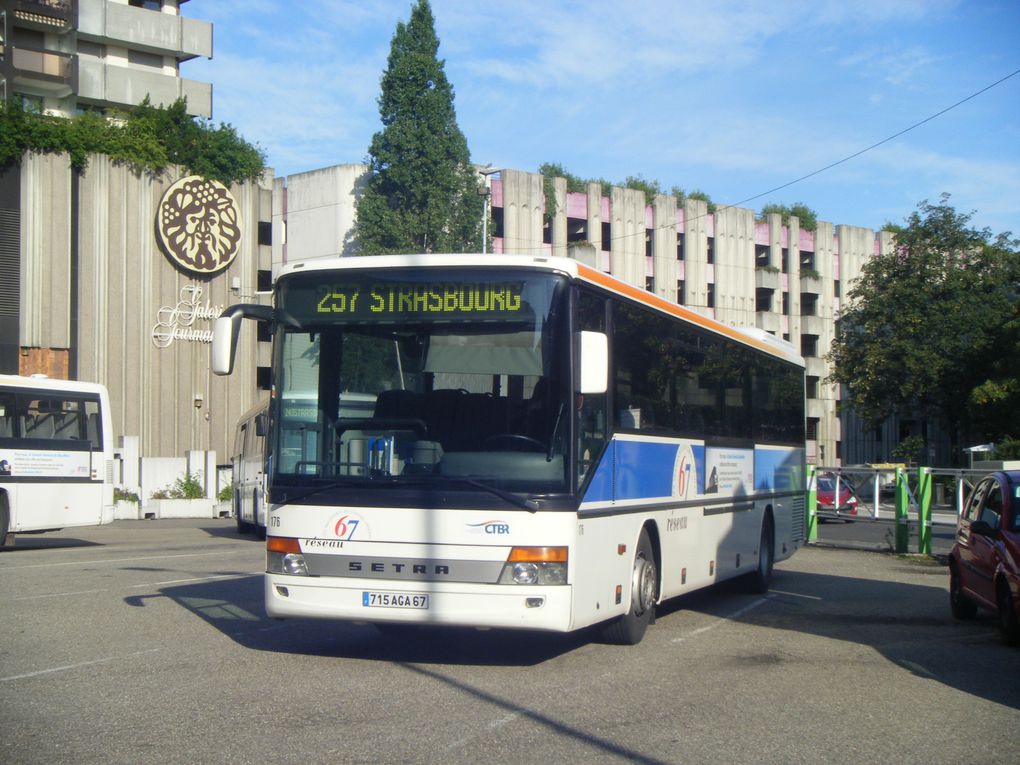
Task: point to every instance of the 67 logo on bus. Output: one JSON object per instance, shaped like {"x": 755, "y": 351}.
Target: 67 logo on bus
{"x": 345, "y": 526}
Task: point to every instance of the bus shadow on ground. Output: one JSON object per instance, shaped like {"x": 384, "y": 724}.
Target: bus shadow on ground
{"x": 235, "y": 608}
{"x": 48, "y": 540}
{"x": 908, "y": 624}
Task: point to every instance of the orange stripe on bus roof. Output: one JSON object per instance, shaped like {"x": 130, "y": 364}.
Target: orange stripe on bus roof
{"x": 642, "y": 296}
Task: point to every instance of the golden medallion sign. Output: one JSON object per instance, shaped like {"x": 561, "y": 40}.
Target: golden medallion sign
{"x": 199, "y": 225}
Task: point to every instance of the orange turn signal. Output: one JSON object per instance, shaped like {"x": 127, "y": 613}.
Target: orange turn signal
{"x": 537, "y": 555}
{"x": 282, "y": 545}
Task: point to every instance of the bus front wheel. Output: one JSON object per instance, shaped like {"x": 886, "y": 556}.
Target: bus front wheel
{"x": 644, "y": 590}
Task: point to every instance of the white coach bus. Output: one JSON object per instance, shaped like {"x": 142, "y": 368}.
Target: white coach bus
{"x": 547, "y": 447}
{"x": 56, "y": 455}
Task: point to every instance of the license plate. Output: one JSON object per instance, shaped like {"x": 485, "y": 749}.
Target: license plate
{"x": 395, "y": 600}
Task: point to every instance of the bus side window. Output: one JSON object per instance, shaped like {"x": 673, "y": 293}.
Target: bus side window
{"x": 591, "y": 408}
{"x": 6, "y": 415}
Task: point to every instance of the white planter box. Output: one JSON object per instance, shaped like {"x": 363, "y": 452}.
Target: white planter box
{"x": 179, "y": 508}
{"x": 126, "y": 511}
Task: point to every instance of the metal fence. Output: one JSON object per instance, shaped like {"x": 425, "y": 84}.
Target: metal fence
{"x": 913, "y": 493}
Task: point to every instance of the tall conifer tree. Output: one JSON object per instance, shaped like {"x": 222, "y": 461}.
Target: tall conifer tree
{"x": 422, "y": 194}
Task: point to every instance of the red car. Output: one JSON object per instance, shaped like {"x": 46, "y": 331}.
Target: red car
{"x": 825, "y": 491}
{"x": 984, "y": 565}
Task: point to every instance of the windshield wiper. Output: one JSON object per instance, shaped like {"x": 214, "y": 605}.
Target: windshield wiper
{"x": 527, "y": 504}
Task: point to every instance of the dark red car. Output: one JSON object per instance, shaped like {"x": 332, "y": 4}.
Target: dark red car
{"x": 828, "y": 507}
{"x": 984, "y": 565}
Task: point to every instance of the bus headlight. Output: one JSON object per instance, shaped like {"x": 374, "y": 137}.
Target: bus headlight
{"x": 283, "y": 556}
{"x": 535, "y": 565}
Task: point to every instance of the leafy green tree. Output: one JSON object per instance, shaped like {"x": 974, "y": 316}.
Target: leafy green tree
{"x": 931, "y": 327}
{"x": 422, "y": 194}
{"x": 808, "y": 218}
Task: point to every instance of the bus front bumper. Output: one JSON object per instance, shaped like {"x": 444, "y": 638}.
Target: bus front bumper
{"x": 450, "y": 604}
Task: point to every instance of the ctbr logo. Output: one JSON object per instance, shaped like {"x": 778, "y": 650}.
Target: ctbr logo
{"x": 199, "y": 225}
{"x": 490, "y": 527}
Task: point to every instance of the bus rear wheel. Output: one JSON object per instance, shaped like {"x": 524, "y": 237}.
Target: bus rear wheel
{"x": 644, "y": 590}
{"x": 6, "y": 537}
{"x": 760, "y": 579}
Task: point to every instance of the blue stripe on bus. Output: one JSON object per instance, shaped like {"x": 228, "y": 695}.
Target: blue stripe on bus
{"x": 643, "y": 470}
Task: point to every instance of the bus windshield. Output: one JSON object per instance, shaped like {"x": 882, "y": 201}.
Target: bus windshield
{"x": 452, "y": 377}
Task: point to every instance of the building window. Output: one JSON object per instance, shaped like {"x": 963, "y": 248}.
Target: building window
{"x": 808, "y": 304}
{"x": 144, "y": 60}
{"x": 680, "y": 291}
{"x": 761, "y": 255}
{"x": 812, "y": 386}
{"x": 149, "y": 5}
{"x": 786, "y": 261}
{"x": 607, "y": 236}
{"x": 679, "y": 246}
{"x": 809, "y": 346}
{"x": 807, "y": 260}
{"x": 812, "y": 428}
{"x": 835, "y": 288}
{"x": 265, "y": 232}
{"x": 264, "y": 331}
{"x": 264, "y": 280}
{"x": 786, "y": 304}
{"x": 650, "y": 283}
{"x": 577, "y": 230}
{"x": 763, "y": 300}
{"x": 710, "y": 296}
{"x": 264, "y": 378}
{"x": 711, "y": 249}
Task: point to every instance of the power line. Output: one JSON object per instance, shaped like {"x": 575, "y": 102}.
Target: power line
{"x": 879, "y": 143}
{"x": 846, "y": 158}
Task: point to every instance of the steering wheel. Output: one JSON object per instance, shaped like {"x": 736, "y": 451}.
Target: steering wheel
{"x": 523, "y": 443}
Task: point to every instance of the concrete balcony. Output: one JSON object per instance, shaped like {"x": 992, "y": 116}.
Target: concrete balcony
{"x": 141, "y": 29}
{"x": 812, "y": 325}
{"x": 811, "y": 284}
{"x": 42, "y": 72}
{"x": 53, "y": 16}
{"x": 122, "y": 86}
{"x": 767, "y": 278}
{"x": 769, "y": 321}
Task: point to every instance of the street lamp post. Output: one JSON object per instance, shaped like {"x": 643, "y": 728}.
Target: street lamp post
{"x": 486, "y": 191}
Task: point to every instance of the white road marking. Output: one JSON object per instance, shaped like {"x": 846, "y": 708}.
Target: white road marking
{"x": 718, "y": 622}
{"x": 794, "y": 595}
{"x": 76, "y": 666}
{"x": 195, "y": 579}
{"x": 58, "y": 595}
{"x": 118, "y": 560}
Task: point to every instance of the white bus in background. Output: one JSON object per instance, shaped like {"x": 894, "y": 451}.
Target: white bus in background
{"x": 249, "y": 469}
{"x": 547, "y": 446}
{"x": 250, "y": 458}
{"x": 56, "y": 455}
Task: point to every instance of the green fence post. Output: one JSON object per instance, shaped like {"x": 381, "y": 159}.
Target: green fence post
{"x": 924, "y": 492}
{"x": 902, "y": 504}
{"x": 812, "y": 506}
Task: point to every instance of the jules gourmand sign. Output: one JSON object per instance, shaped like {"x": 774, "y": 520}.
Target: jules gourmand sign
{"x": 198, "y": 225}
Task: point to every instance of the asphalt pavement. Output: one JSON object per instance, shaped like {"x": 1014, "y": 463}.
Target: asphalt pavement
{"x": 147, "y": 642}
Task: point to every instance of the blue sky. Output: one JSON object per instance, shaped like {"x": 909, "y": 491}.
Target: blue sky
{"x": 731, "y": 97}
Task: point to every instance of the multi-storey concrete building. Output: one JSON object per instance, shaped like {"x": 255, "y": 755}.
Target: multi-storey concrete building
{"x": 61, "y": 56}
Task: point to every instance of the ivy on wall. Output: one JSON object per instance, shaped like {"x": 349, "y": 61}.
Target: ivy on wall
{"x": 148, "y": 138}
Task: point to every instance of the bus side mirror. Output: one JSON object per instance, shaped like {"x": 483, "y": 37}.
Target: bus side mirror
{"x": 226, "y": 330}
{"x": 594, "y": 372}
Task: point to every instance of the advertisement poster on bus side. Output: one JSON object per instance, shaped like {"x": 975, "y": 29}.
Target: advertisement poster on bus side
{"x": 24, "y": 463}
{"x": 729, "y": 471}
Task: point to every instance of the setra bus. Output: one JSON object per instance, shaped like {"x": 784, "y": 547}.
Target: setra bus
{"x": 535, "y": 445}
{"x": 56, "y": 455}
